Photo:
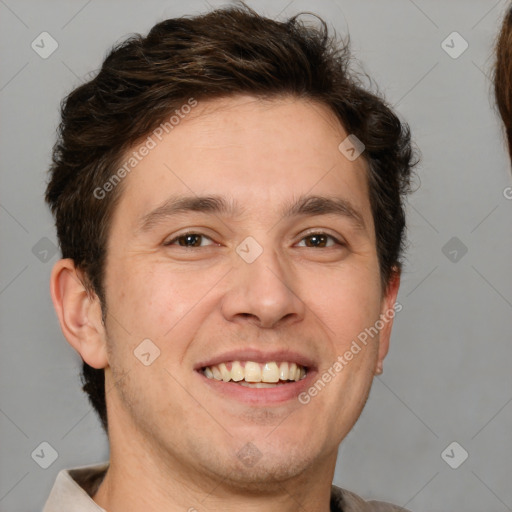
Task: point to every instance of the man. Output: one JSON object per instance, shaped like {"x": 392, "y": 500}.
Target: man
{"x": 229, "y": 204}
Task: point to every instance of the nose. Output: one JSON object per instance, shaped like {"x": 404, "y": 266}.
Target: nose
{"x": 262, "y": 293}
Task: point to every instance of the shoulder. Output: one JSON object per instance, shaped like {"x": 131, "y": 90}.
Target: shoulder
{"x": 346, "y": 501}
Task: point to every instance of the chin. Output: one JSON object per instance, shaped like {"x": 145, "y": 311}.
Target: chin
{"x": 265, "y": 475}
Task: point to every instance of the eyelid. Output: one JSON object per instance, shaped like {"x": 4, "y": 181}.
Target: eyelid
{"x": 319, "y": 231}
{"x": 185, "y": 233}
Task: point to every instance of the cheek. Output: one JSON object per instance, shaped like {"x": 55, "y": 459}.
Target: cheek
{"x": 347, "y": 301}
{"x": 152, "y": 300}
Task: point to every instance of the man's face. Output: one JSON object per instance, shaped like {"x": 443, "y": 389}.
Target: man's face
{"x": 252, "y": 284}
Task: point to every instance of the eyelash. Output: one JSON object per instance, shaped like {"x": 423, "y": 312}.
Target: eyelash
{"x": 308, "y": 235}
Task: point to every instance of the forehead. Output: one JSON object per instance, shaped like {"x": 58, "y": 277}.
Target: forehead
{"x": 258, "y": 152}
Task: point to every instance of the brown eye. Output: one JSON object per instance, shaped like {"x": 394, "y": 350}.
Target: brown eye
{"x": 320, "y": 240}
{"x": 188, "y": 240}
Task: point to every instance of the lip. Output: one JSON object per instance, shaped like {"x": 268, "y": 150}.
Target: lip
{"x": 258, "y": 356}
{"x": 259, "y": 396}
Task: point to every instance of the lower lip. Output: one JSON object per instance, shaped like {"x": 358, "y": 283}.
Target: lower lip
{"x": 276, "y": 395}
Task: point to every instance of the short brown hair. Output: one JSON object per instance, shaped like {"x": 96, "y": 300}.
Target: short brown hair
{"x": 503, "y": 76}
{"x": 222, "y": 53}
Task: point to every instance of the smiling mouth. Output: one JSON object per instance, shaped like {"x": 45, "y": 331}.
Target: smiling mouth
{"x": 256, "y": 375}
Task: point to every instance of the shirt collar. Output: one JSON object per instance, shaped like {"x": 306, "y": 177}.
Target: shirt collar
{"x": 73, "y": 489}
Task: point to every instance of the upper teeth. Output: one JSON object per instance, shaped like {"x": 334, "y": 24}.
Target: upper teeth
{"x": 255, "y": 372}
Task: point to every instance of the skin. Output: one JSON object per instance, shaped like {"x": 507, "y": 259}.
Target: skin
{"x": 173, "y": 439}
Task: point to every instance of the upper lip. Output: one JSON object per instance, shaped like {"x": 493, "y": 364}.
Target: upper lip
{"x": 258, "y": 356}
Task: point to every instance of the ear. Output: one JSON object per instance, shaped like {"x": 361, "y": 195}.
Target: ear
{"x": 387, "y": 315}
{"x": 79, "y": 314}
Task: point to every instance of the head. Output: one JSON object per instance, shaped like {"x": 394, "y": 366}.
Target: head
{"x": 211, "y": 137}
{"x": 503, "y": 76}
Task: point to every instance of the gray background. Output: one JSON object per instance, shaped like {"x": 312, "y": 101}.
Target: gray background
{"x": 448, "y": 374}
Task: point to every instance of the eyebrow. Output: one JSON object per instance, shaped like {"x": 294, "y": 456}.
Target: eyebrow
{"x": 175, "y": 205}
{"x": 321, "y": 205}
{"x": 217, "y": 205}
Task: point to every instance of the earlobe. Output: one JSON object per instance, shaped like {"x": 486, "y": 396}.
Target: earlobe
{"x": 79, "y": 313}
{"x": 387, "y": 316}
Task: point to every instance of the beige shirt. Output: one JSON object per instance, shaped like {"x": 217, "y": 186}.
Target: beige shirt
{"x": 73, "y": 489}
